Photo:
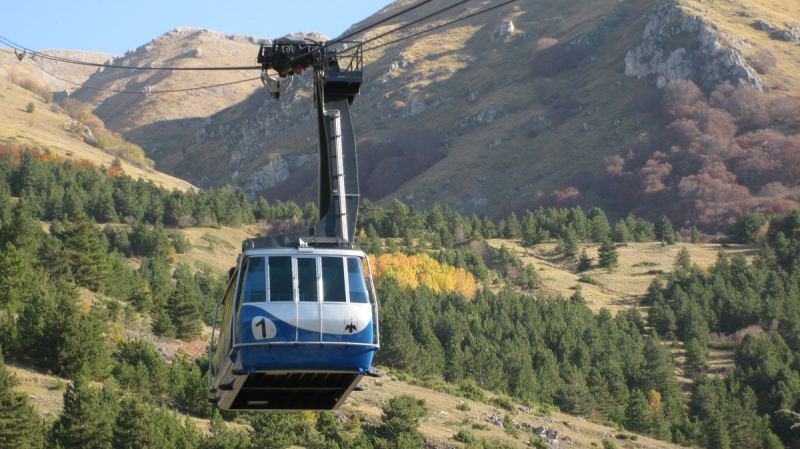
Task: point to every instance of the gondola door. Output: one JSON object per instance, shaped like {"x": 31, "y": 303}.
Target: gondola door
{"x": 308, "y": 305}
{"x": 281, "y": 305}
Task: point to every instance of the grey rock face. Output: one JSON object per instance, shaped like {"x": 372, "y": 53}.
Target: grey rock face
{"x": 792, "y": 35}
{"x": 275, "y": 171}
{"x": 506, "y": 29}
{"x": 763, "y": 25}
{"x": 678, "y": 47}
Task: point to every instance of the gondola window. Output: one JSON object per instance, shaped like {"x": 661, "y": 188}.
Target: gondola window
{"x": 280, "y": 279}
{"x": 333, "y": 280}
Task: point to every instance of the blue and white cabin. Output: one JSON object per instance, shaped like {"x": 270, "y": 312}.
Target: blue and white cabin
{"x": 298, "y": 330}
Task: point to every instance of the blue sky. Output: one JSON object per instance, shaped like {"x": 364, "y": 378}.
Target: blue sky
{"x": 114, "y": 26}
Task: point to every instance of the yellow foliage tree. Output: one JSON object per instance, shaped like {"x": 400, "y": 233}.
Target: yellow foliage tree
{"x": 654, "y": 398}
{"x": 422, "y": 269}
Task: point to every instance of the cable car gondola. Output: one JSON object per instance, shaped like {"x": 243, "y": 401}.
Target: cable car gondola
{"x": 299, "y": 319}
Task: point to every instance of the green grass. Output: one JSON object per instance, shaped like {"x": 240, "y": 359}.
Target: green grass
{"x": 586, "y": 279}
{"x": 645, "y": 264}
{"x": 214, "y": 240}
{"x": 204, "y": 266}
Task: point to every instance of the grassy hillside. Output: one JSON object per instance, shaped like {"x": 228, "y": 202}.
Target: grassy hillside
{"x": 639, "y": 264}
{"x": 736, "y": 19}
{"x": 154, "y": 120}
{"x": 444, "y": 421}
{"x": 48, "y": 127}
{"x": 73, "y": 73}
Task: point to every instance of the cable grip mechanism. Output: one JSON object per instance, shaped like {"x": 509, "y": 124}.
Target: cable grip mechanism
{"x": 275, "y": 83}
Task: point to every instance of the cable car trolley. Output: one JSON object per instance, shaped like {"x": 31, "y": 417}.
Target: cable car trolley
{"x": 298, "y": 324}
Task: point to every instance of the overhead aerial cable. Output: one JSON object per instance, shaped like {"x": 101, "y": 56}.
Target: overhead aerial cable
{"x": 18, "y": 47}
{"x": 166, "y": 91}
{"x": 468, "y": 16}
{"x": 427, "y": 30}
{"x": 373, "y": 25}
{"x": 305, "y": 55}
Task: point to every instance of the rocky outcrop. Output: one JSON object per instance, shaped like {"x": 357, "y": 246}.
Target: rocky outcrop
{"x": 275, "y": 171}
{"x": 677, "y": 46}
{"x": 791, "y": 35}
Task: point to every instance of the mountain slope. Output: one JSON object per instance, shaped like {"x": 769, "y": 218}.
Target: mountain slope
{"x": 152, "y": 120}
{"x": 484, "y": 122}
{"x": 47, "y": 127}
{"x": 462, "y": 89}
{"x": 27, "y": 68}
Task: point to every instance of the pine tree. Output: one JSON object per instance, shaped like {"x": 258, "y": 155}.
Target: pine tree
{"x": 15, "y": 278}
{"x": 81, "y": 347}
{"x": 193, "y": 397}
{"x": 683, "y": 261}
{"x": 222, "y": 438}
{"x": 715, "y": 432}
{"x": 140, "y": 425}
{"x": 513, "y": 228}
{"x": 183, "y": 305}
{"x": 584, "y": 262}
{"x": 608, "y": 255}
{"x": 274, "y": 430}
{"x": 621, "y": 233}
{"x": 400, "y": 419}
{"x": 162, "y": 323}
{"x": 637, "y": 412}
{"x": 23, "y": 231}
{"x": 86, "y": 251}
{"x": 87, "y": 420}
{"x": 570, "y": 242}
{"x": 29, "y": 175}
{"x": 599, "y": 228}
{"x": 20, "y": 425}
{"x": 528, "y": 277}
{"x": 695, "y": 233}
{"x": 664, "y": 231}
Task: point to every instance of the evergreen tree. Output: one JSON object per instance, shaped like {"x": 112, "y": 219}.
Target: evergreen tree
{"x": 608, "y": 255}
{"x": 570, "y": 247}
{"x": 162, "y": 323}
{"x": 220, "y": 437}
{"x": 23, "y": 231}
{"x": 696, "y": 355}
{"x": 20, "y": 425}
{"x": 584, "y": 262}
{"x": 621, "y": 233}
{"x": 599, "y": 228}
{"x": 16, "y": 277}
{"x": 744, "y": 228}
{"x": 194, "y": 396}
{"x": 140, "y": 425}
{"x": 81, "y": 347}
{"x": 277, "y": 430}
{"x": 513, "y": 229}
{"x": 86, "y": 251}
{"x": 695, "y": 233}
{"x": 715, "y": 432}
{"x": 183, "y": 305}
{"x": 664, "y": 231}
{"x": 87, "y": 420}
{"x": 528, "y": 277}
{"x": 400, "y": 420}
{"x": 683, "y": 261}
{"x": 637, "y": 413}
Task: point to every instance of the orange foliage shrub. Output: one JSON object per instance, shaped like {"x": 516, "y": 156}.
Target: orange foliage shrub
{"x": 422, "y": 269}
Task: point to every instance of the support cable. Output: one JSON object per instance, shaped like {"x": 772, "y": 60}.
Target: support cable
{"x": 166, "y": 91}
